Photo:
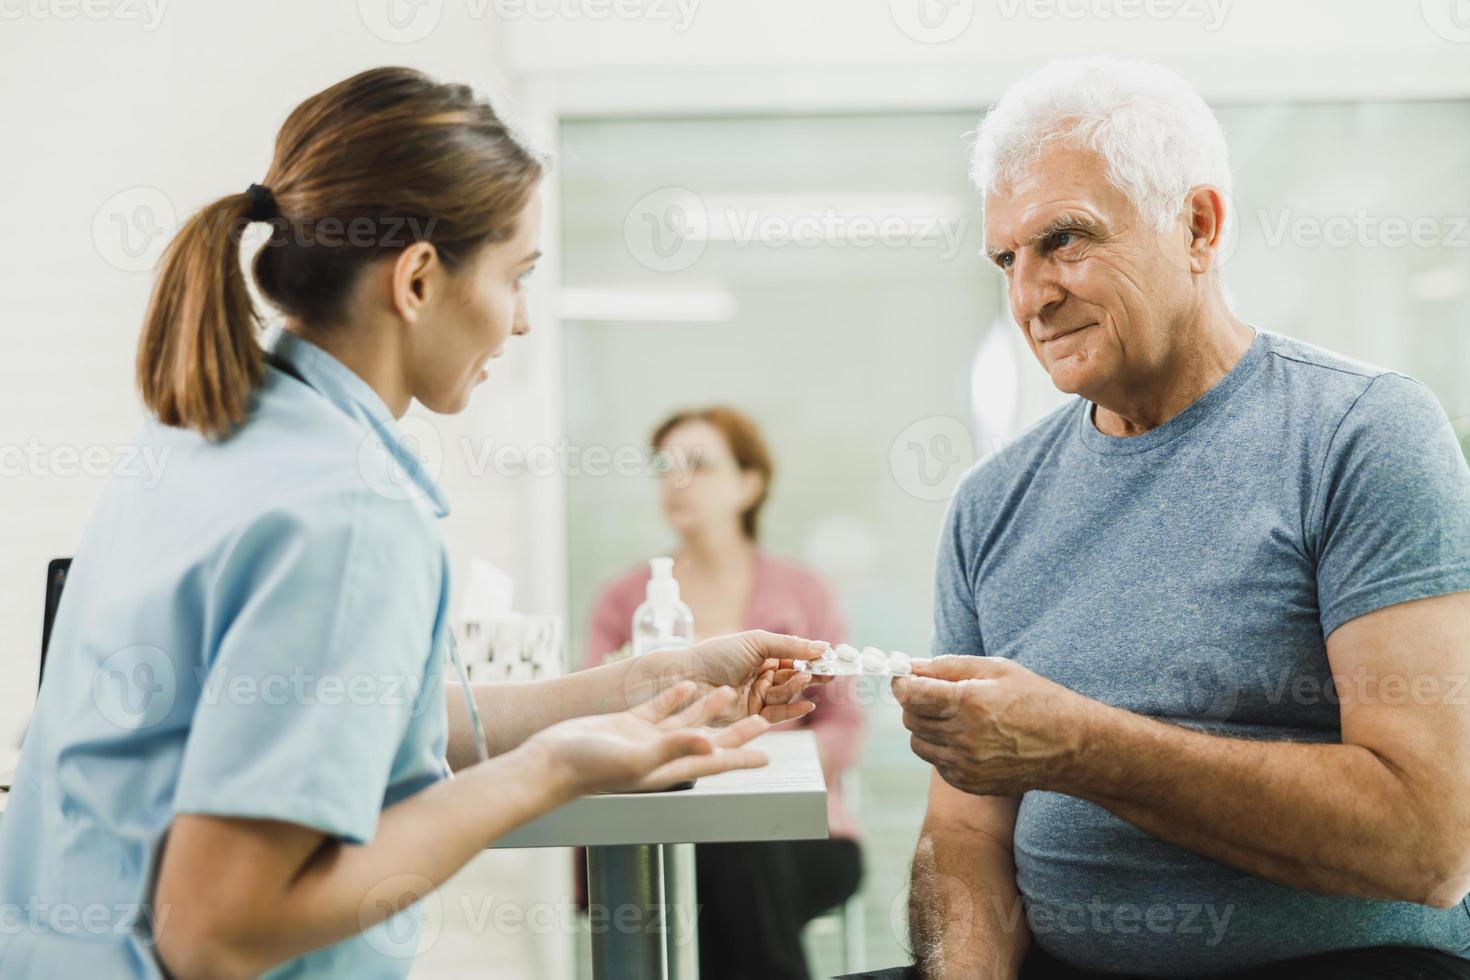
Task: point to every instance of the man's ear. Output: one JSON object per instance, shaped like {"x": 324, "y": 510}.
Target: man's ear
{"x": 413, "y": 279}
{"x": 1206, "y": 209}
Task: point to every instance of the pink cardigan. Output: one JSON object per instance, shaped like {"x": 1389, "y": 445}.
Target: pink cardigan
{"x": 787, "y": 598}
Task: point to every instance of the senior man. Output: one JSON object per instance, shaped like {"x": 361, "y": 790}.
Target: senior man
{"x": 1210, "y": 715}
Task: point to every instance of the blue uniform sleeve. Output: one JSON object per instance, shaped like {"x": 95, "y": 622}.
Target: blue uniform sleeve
{"x": 320, "y": 640}
{"x": 956, "y": 621}
{"x": 1393, "y": 506}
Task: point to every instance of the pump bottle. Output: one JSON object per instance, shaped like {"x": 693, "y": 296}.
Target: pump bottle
{"x": 662, "y": 620}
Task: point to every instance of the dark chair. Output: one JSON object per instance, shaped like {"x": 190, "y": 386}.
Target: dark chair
{"x": 55, "y": 578}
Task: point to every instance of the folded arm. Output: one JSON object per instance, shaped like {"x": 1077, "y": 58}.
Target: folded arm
{"x": 1385, "y": 814}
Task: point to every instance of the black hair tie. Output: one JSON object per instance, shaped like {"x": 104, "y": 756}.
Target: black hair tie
{"x": 262, "y": 204}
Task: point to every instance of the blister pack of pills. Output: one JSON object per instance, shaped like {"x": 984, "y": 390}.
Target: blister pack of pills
{"x": 845, "y": 660}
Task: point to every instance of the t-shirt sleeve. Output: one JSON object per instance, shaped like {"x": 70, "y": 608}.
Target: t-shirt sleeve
{"x": 956, "y": 622}
{"x": 322, "y": 622}
{"x": 1394, "y": 505}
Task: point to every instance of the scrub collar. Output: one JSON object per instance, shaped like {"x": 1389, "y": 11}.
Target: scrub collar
{"x": 389, "y": 460}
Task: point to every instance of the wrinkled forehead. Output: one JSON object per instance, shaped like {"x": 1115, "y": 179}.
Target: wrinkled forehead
{"x": 1064, "y": 181}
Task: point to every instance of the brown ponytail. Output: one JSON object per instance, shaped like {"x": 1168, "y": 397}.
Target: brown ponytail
{"x": 198, "y": 360}
{"x": 362, "y": 170}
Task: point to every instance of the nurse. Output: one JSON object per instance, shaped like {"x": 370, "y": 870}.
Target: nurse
{"x": 238, "y": 762}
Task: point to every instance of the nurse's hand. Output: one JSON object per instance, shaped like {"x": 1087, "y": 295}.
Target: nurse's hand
{"x": 653, "y": 746}
{"x": 757, "y": 664}
{"x": 989, "y": 726}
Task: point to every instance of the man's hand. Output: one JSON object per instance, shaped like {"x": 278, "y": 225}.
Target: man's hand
{"x": 988, "y": 725}
{"x": 759, "y": 666}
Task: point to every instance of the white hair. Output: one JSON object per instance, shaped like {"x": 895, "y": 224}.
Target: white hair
{"x": 1154, "y": 133}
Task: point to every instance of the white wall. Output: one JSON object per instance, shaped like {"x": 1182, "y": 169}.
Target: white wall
{"x": 819, "y": 53}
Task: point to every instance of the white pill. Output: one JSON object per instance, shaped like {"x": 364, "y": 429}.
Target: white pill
{"x": 847, "y": 654}
{"x": 899, "y": 664}
{"x": 874, "y": 661}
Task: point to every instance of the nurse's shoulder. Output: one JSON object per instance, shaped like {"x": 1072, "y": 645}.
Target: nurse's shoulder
{"x": 297, "y": 443}
{"x": 302, "y": 471}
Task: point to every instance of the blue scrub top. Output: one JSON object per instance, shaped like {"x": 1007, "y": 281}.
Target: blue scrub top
{"x": 258, "y": 633}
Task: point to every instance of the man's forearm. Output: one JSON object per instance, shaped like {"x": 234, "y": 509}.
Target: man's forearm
{"x": 965, "y": 916}
{"x": 1330, "y": 818}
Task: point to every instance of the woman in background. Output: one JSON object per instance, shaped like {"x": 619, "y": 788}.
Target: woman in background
{"x": 754, "y": 897}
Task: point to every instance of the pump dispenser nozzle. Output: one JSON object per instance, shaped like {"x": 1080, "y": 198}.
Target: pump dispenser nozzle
{"x": 663, "y": 588}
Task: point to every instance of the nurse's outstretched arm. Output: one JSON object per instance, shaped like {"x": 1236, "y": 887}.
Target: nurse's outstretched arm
{"x": 236, "y": 897}
{"x": 757, "y": 664}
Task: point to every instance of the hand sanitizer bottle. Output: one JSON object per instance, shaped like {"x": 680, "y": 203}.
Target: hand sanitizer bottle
{"x": 662, "y": 620}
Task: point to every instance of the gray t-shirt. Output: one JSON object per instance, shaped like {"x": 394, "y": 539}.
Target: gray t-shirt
{"x": 1193, "y": 573}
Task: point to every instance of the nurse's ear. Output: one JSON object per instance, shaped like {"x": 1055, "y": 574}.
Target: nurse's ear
{"x": 416, "y": 276}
